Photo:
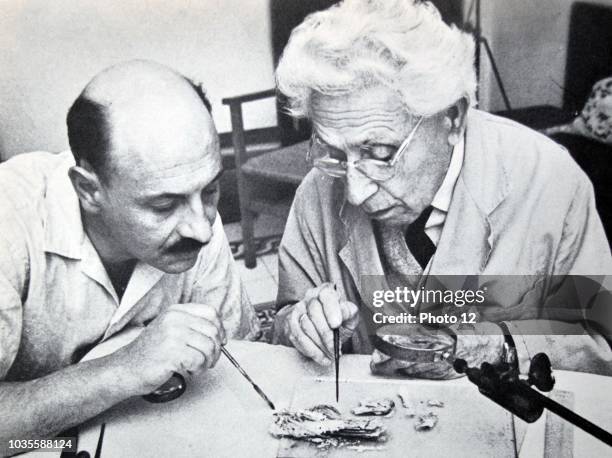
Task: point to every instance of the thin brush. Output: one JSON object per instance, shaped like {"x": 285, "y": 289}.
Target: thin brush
{"x": 246, "y": 376}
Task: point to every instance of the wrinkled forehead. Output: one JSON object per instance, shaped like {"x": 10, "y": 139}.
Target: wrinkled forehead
{"x": 182, "y": 178}
{"x": 376, "y": 111}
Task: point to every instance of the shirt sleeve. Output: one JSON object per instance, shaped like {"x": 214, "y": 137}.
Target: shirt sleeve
{"x": 12, "y": 283}
{"x": 577, "y": 333}
{"x": 300, "y": 265}
{"x": 218, "y": 283}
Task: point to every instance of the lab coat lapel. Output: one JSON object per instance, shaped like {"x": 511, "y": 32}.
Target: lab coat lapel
{"x": 465, "y": 244}
{"x": 469, "y": 233}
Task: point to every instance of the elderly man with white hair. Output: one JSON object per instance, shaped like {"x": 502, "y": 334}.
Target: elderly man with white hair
{"x": 411, "y": 181}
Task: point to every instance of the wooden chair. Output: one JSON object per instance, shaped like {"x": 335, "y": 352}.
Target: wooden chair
{"x": 267, "y": 178}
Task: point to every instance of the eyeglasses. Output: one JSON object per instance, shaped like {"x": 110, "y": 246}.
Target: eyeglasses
{"x": 325, "y": 158}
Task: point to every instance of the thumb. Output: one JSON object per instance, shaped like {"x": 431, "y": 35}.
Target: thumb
{"x": 350, "y": 315}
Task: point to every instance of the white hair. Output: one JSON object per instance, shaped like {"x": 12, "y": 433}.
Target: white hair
{"x": 401, "y": 44}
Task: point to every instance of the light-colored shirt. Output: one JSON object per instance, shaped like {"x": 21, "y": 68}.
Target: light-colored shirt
{"x": 56, "y": 299}
{"x": 442, "y": 199}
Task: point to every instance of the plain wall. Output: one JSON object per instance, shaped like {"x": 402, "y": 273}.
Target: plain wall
{"x": 50, "y": 49}
{"x": 529, "y": 42}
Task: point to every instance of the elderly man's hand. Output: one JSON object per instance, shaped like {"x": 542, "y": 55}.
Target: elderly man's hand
{"x": 308, "y": 324}
{"x": 484, "y": 343}
{"x": 185, "y": 338}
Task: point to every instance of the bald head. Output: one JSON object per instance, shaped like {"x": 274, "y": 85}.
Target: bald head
{"x": 135, "y": 113}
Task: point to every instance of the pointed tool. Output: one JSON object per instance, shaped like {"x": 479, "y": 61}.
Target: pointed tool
{"x": 246, "y": 376}
{"x": 337, "y": 360}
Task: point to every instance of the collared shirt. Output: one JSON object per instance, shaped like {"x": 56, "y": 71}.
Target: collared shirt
{"x": 442, "y": 199}
{"x": 56, "y": 299}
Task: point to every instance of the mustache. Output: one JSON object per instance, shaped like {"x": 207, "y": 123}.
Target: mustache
{"x": 185, "y": 246}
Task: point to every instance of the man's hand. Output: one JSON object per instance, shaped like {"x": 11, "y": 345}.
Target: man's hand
{"x": 308, "y": 324}
{"x": 185, "y": 338}
{"x": 484, "y": 343}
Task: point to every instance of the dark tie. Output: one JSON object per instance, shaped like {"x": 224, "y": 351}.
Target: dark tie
{"x": 421, "y": 246}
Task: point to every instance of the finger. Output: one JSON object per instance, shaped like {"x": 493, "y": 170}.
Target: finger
{"x": 303, "y": 344}
{"x": 201, "y": 324}
{"x": 350, "y": 315}
{"x": 207, "y": 312}
{"x": 313, "y": 293}
{"x": 216, "y": 332}
{"x": 208, "y": 346}
{"x": 193, "y": 360}
{"x": 207, "y": 328}
{"x": 317, "y": 316}
{"x": 330, "y": 300}
{"x": 309, "y": 329}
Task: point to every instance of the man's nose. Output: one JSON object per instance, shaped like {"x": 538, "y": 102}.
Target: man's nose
{"x": 358, "y": 186}
{"x": 197, "y": 222}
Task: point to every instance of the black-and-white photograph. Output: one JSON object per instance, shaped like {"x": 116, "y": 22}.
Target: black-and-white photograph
{"x": 305, "y": 228}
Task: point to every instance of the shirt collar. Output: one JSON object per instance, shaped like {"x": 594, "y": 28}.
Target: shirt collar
{"x": 65, "y": 236}
{"x": 442, "y": 199}
{"x": 64, "y": 232}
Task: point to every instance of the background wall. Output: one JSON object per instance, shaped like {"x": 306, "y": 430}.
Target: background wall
{"x": 529, "y": 42}
{"x": 50, "y": 49}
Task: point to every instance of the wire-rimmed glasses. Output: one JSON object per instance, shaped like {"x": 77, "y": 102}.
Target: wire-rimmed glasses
{"x": 325, "y": 158}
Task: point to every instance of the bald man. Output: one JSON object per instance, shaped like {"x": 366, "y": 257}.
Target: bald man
{"x": 122, "y": 232}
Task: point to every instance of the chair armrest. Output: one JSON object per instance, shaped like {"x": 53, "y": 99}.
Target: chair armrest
{"x": 240, "y": 99}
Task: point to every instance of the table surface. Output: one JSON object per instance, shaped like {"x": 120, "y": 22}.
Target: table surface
{"x": 220, "y": 415}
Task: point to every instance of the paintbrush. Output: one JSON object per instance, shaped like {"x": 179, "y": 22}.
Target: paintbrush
{"x": 246, "y": 376}
{"x": 337, "y": 360}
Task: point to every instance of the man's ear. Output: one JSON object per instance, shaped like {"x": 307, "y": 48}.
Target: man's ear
{"x": 88, "y": 187}
{"x": 455, "y": 119}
